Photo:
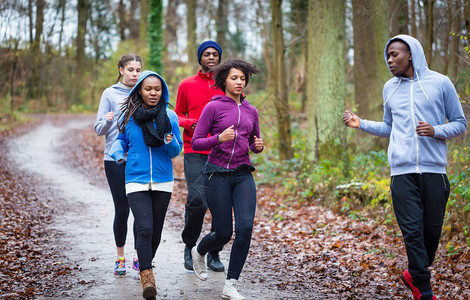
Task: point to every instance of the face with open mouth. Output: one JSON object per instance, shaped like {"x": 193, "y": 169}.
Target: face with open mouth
{"x": 151, "y": 91}
{"x": 209, "y": 59}
{"x": 399, "y": 59}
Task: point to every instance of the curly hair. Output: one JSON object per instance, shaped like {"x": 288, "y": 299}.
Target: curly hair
{"x": 223, "y": 69}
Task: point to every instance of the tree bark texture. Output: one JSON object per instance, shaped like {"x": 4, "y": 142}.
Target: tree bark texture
{"x": 414, "y": 27}
{"x": 36, "y": 50}
{"x": 429, "y": 13}
{"x": 454, "y": 57}
{"x": 445, "y": 69}
{"x": 370, "y": 72}
{"x": 222, "y": 24}
{"x": 466, "y": 12}
{"x": 144, "y": 16}
{"x": 280, "y": 84}
{"x": 156, "y": 36}
{"x": 191, "y": 32}
{"x": 82, "y": 7}
{"x": 398, "y": 15}
{"x": 326, "y": 85}
{"x": 122, "y": 24}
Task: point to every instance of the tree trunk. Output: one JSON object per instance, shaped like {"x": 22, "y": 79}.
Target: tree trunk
{"x": 466, "y": 12}
{"x": 299, "y": 53}
{"x": 280, "y": 91}
{"x": 454, "y": 57}
{"x": 144, "y": 16}
{"x": 398, "y": 15}
{"x": 429, "y": 13}
{"x": 414, "y": 29}
{"x": 191, "y": 47}
{"x": 30, "y": 17}
{"x": 122, "y": 20}
{"x": 370, "y": 36}
{"x": 170, "y": 35}
{"x": 222, "y": 24}
{"x": 265, "y": 38}
{"x": 62, "y": 4}
{"x": 445, "y": 69}
{"x": 82, "y": 7}
{"x": 156, "y": 36}
{"x": 36, "y": 50}
{"x": 326, "y": 88}
{"x": 132, "y": 22}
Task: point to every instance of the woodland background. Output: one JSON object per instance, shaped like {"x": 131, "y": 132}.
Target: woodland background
{"x": 318, "y": 57}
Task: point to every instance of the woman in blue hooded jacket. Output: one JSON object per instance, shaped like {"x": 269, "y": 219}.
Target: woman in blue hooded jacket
{"x": 149, "y": 134}
{"x": 417, "y": 101}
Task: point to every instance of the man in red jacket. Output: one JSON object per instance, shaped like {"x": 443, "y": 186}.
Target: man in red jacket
{"x": 193, "y": 94}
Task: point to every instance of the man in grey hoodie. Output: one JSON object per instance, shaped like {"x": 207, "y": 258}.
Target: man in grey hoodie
{"x": 417, "y": 101}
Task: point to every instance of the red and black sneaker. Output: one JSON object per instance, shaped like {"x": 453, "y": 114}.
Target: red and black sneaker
{"x": 408, "y": 281}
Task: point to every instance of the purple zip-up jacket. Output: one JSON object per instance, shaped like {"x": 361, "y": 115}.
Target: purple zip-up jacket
{"x": 219, "y": 114}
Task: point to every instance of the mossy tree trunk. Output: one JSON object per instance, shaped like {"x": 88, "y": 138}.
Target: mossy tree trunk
{"x": 370, "y": 73}
{"x": 280, "y": 84}
{"x": 156, "y": 36}
{"x": 326, "y": 85}
{"x": 191, "y": 26}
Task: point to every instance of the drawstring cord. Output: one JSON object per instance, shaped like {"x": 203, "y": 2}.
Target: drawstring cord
{"x": 392, "y": 92}
{"x": 419, "y": 82}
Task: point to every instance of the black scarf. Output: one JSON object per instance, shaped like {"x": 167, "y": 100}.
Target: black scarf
{"x": 145, "y": 118}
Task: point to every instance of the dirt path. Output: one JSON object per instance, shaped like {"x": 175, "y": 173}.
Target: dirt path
{"x": 86, "y": 230}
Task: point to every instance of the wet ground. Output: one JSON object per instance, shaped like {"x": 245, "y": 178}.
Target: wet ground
{"x": 84, "y": 227}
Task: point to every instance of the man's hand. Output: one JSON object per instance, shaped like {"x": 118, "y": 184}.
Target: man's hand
{"x": 350, "y": 119}
{"x": 425, "y": 129}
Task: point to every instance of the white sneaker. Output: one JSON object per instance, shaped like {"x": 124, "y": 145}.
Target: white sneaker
{"x": 199, "y": 264}
{"x": 230, "y": 290}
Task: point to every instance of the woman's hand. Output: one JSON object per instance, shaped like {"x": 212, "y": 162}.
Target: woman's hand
{"x": 227, "y": 135}
{"x": 109, "y": 116}
{"x": 258, "y": 144}
{"x": 169, "y": 138}
{"x": 425, "y": 129}
{"x": 350, "y": 119}
{"x": 193, "y": 127}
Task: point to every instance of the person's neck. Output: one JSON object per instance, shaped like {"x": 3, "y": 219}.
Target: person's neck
{"x": 127, "y": 85}
{"x": 204, "y": 71}
{"x": 236, "y": 98}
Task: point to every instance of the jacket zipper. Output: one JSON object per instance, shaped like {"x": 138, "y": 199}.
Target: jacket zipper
{"x": 414, "y": 124}
{"x": 236, "y": 135}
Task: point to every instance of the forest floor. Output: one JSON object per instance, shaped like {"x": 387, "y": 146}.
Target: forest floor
{"x": 56, "y": 234}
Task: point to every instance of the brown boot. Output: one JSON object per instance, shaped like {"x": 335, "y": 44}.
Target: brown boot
{"x": 148, "y": 284}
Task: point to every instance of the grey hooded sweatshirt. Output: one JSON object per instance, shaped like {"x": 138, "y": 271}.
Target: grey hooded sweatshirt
{"x": 429, "y": 97}
{"x": 111, "y": 100}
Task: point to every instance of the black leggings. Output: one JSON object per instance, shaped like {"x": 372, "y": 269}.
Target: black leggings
{"x": 149, "y": 209}
{"x": 233, "y": 189}
{"x": 116, "y": 179}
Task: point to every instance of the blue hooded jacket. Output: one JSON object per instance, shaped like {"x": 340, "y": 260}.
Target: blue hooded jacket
{"x": 148, "y": 164}
{"x": 429, "y": 97}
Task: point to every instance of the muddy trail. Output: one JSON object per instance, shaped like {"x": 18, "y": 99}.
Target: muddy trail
{"x": 84, "y": 225}
{"x": 53, "y": 172}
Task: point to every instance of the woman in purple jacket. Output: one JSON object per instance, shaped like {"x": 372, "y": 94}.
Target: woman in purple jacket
{"x": 233, "y": 125}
